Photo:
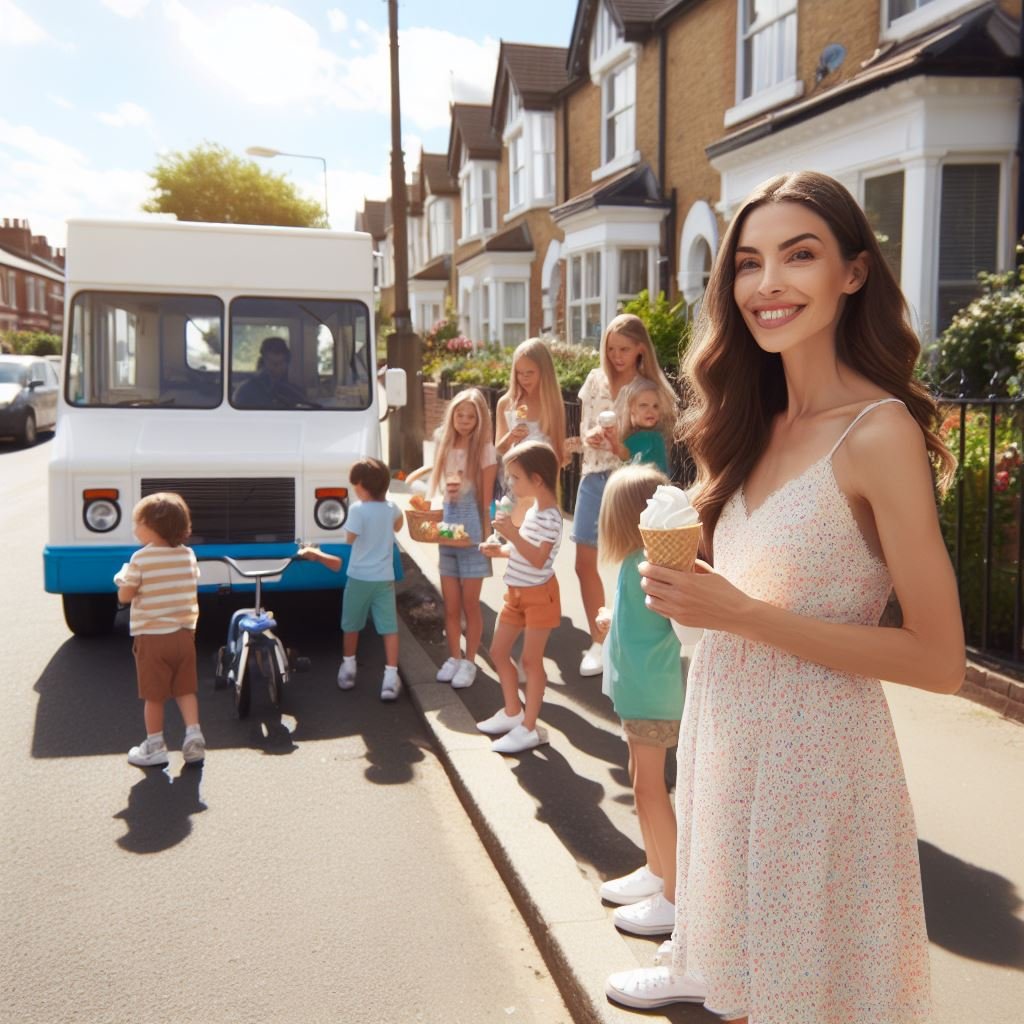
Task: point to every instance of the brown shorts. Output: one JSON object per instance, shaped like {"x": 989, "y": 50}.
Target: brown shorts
{"x": 533, "y": 607}
{"x": 166, "y": 664}
{"x": 651, "y": 732}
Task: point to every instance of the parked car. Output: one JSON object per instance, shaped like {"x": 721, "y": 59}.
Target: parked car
{"x": 29, "y": 387}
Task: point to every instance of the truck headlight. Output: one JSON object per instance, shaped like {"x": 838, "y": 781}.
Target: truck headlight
{"x": 101, "y": 512}
{"x": 331, "y": 509}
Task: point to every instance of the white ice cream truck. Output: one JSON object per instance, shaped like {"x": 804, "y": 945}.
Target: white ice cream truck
{"x": 231, "y": 364}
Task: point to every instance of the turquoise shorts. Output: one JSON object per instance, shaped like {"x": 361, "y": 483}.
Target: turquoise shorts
{"x": 369, "y": 597}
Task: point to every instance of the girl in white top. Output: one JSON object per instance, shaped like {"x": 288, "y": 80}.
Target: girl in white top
{"x": 464, "y": 472}
{"x": 626, "y": 352}
{"x": 532, "y": 602}
{"x": 532, "y": 408}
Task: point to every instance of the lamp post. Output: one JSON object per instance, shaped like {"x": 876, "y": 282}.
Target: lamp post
{"x": 266, "y": 151}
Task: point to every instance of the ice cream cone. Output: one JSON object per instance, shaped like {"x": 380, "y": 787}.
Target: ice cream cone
{"x": 675, "y": 548}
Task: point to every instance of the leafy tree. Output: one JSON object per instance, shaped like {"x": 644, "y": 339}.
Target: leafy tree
{"x": 210, "y": 183}
{"x": 31, "y": 343}
{"x": 667, "y": 324}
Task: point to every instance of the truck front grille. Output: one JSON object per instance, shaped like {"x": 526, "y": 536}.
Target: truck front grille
{"x": 235, "y": 510}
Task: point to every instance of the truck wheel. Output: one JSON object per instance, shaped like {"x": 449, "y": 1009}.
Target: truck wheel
{"x": 90, "y": 614}
{"x": 29, "y": 434}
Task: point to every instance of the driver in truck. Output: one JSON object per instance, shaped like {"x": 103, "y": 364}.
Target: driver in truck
{"x": 270, "y": 387}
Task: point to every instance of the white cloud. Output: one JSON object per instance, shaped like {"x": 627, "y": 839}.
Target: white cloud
{"x": 18, "y": 28}
{"x": 46, "y": 181}
{"x": 126, "y": 8}
{"x": 62, "y": 102}
{"x": 270, "y": 57}
{"x": 125, "y": 115}
{"x": 338, "y": 20}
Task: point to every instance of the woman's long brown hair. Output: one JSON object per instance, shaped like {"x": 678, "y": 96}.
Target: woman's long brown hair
{"x": 734, "y": 389}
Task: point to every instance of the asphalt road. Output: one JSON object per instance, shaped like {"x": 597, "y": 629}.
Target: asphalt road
{"x": 318, "y": 867}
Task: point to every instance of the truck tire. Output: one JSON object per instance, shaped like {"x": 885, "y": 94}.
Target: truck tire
{"x": 90, "y": 614}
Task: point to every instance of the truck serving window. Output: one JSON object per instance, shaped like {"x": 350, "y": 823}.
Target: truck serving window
{"x": 299, "y": 354}
{"x": 130, "y": 349}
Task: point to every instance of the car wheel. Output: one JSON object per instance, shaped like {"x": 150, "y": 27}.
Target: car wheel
{"x": 29, "y": 435}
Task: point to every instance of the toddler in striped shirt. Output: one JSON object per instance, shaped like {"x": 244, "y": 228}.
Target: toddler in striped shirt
{"x": 159, "y": 581}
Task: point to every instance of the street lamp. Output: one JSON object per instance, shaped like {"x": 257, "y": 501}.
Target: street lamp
{"x": 266, "y": 151}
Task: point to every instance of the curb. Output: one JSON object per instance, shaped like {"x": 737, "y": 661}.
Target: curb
{"x": 563, "y": 912}
{"x": 994, "y": 690}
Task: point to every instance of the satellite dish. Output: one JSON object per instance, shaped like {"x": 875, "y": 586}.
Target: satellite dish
{"x": 831, "y": 59}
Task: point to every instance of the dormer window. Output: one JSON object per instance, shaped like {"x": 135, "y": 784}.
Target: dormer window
{"x": 477, "y": 188}
{"x": 529, "y": 139}
{"x": 613, "y": 68}
{"x": 904, "y": 18}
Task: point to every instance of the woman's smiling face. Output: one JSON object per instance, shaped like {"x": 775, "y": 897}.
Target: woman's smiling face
{"x": 791, "y": 279}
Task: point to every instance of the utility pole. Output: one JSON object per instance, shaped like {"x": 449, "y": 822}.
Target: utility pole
{"x": 405, "y": 438}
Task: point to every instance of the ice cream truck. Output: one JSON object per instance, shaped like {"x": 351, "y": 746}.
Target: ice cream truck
{"x": 233, "y": 365}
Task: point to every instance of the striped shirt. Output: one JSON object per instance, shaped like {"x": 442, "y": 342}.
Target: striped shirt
{"x": 543, "y": 526}
{"x": 166, "y": 600}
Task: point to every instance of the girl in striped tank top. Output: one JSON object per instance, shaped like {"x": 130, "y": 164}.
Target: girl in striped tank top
{"x": 532, "y": 601}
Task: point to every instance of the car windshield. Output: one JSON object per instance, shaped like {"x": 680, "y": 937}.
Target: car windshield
{"x": 13, "y": 373}
{"x": 130, "y": 349}
{"x": 299, "y": 354}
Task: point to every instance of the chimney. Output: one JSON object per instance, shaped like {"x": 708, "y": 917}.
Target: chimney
{"x": 16, "y": 236}
{"x": 40, "y": 247}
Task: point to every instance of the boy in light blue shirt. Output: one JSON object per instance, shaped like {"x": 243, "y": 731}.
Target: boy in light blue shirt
{"x": 370, "y": 530}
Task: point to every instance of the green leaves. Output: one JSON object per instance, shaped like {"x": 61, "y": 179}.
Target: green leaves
{"x": 210, "y": 183}
{"x": 668, "y": 324}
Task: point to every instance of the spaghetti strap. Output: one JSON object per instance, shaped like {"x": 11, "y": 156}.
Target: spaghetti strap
{"x": 857, "y": 419}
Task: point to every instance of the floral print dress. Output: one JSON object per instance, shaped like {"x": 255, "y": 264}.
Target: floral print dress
{"x": 799, "y": 893}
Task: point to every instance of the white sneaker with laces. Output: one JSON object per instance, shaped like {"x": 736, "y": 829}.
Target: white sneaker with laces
{"x": 663, "y": 958}
{"x": 499, "y": 723}
{"x": 447, "y": 671}
{"x": 148, "y": 753}
{"x": 593, "y": 662}
{"x": 346, "y": 677}
{"x": 390, "y": 688}
{"x": 519, "y": 739}
{"x": 464, "y": 675}
{"x": 647, "y": 988}
{"x": 652, "y": 916}
{"x": 632, "y": 888}
{"x": 194, "y": 747}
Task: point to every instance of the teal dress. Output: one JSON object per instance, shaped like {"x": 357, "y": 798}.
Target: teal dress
{"x": 648, "y": 446}
{"x": 643, "y": 672}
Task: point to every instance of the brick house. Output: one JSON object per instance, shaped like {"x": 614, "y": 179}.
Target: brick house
{"x": 31, "y": 280}
{"x": 433, "y": 197}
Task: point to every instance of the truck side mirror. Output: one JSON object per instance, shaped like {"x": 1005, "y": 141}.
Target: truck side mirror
{"x": 395, "y": 388}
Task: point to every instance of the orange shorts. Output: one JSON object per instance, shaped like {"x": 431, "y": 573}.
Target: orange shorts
{"x": 166, "y": 664}
{"x": 537, "y": 607}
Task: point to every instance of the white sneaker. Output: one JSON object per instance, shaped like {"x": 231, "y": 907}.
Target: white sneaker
{"x": 346, "y": 677}
{"x": 148, "y": 753}
{"x": 194, "y": 747}
{"x": 499, "y": 723}
{"x": 652, "y": 916}
{"x": 647, "y": 988}
{"x": 519, "y": 740}
{"x": 391, "y": 687}
{"x": 465, "y": 675}
{"x": 447, "y": 671}
{"x": 663, "y": 958}
{"x": 593, "y": 662}
{"x": 632, "y": 888}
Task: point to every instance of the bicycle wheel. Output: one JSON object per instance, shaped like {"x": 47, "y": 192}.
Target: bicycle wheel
{"x": 275, "y": 678}
{"x": 243, "y": 689}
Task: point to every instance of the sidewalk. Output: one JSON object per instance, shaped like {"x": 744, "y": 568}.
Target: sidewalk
{"x": 559, "y": 820}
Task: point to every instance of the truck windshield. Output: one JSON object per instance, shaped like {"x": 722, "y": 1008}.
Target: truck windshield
{"x": 299, "y": 354}
{"x": 131, "y": 349}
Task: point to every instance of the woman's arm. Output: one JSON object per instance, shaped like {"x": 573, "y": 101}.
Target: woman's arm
{"x": 889, "y": 469}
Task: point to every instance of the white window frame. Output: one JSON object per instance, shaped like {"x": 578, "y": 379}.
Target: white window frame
{"x": 585, "y": 300}
{"x": 926, "y": 14}
{"x": 478, "y": 187}
{"x": 517, "y": 190}
{"x": 624, "y": 296}
{"x": 439, "y": 227}
{"x": 12, "y": 289}
{"x": 610, "y": 55}
{"x": 788, "y": 87}
{"x": 504, "y": 320}
{"x": 532, "y": 138}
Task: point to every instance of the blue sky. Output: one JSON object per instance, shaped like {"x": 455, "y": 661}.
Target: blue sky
{"x": 97, "y": 89}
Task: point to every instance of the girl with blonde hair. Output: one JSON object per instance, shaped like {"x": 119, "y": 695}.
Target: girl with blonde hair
{"x": 798, "y": 893}
{"x": 532, "y": 408}
{"x": 644, "y": 427}
{"x": 626, "y": 353}
{"x": 464, "y": 468}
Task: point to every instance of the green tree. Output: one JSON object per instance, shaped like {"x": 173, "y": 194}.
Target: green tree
{"x": 209, "y": 183}
{"x": 667, "y": 324}
{"x": 31, "y": 343}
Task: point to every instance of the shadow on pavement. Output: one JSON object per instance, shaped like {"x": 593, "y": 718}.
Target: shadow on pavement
{"x": 160, "y": 809}
{"x": 971, "y": 911}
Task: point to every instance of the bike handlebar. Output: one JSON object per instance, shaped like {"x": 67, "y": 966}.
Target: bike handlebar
{"x": 253, "y": 574}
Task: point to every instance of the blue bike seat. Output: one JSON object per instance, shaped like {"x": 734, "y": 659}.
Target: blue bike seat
{"x": 256, "y": 623}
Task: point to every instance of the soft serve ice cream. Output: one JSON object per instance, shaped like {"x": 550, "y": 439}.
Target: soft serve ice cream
{"x": 668, "y": 509}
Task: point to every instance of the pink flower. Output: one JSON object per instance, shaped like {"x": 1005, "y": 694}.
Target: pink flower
{"x": 1002, "y": 480}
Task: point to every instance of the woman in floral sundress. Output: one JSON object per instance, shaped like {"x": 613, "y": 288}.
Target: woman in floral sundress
{"x": 798, "y": 898}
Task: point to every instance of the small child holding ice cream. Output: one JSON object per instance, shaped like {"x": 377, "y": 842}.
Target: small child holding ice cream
{"x": 640, "y": 426}
{"x": 644, "y": 677}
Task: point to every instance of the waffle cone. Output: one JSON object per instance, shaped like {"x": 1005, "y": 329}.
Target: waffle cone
{"x": 675, "y": 549}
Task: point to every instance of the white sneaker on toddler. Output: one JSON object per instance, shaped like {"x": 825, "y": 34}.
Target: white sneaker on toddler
{"x": 592, "y": 663}
{"x": 194, "y": 747}
{"x": 346, "y": 677}
{"x": 446, "y": 673}
{"x": 148, "y": 753}
{"x": 391, "y": 687}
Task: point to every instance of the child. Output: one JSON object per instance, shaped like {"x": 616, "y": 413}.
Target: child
{"x": 626, "y": 353}
{"x": 644, "y": 678}
{"x": 370, "y": 589}
{"x": 641, "y": 424}
{"x": 532, "y": 408}
{"x": 532, "y": 600}
{"x": 464, "y": 470}
{"x": 798, "y": 890}
{"x": 159, "y": 581}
